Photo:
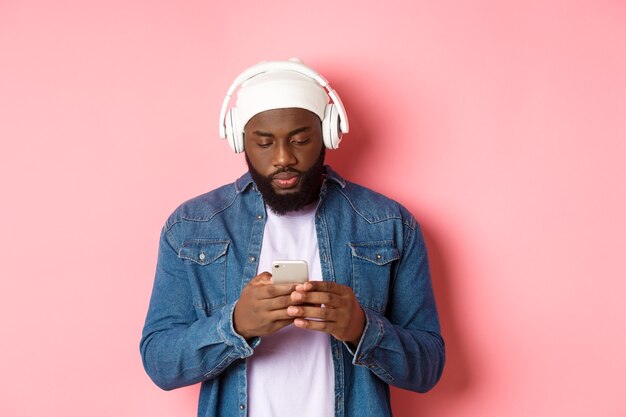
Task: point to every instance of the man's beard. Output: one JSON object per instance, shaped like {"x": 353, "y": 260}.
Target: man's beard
{"x": 310, "y": 183}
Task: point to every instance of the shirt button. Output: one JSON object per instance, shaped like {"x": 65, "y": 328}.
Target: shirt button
{"x": 202, "y": 256}
{"x": 252, "y": 259}
{"x": 259, "y": 217}
{"x": 379, "y": 256}
{"x": 242, "y": 407}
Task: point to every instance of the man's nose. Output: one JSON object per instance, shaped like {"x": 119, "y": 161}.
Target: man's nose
{"x": 284, "y": 155}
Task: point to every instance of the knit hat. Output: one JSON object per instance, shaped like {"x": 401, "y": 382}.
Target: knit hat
{"x": 279, "y": 90}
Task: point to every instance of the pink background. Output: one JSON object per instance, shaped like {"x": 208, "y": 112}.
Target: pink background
{"x": 501, "y": 125}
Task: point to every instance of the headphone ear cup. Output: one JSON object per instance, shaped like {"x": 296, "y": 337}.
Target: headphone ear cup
{"x": 331, "y": 133}
{"x": 234, "y": 135}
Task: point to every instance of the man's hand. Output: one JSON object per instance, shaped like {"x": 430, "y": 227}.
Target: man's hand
{"x": 262, "y": 307}
{"x": 341, "y": 315}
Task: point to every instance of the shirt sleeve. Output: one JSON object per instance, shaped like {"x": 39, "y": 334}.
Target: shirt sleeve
{"x": 177, "y": 347}
{"x": 404, "y": 346}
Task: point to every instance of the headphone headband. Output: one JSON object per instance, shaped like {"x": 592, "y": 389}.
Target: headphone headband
{"x": 270, "y": 66}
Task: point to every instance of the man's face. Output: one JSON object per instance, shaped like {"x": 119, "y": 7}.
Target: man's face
{"x": 285, "y": 156}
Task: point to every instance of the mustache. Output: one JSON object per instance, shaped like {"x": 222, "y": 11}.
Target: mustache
{"x": 284, "y": 170}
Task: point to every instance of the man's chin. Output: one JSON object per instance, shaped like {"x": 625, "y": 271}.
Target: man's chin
{"x": 286, "y": 191}
{"x": 283, "y": 200}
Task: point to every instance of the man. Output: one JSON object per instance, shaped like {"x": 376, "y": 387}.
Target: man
{"x": 366, "y": 319}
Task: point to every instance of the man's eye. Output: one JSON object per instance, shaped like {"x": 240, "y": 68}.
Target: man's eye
{"x": 300, "y": 141}
{"x": 264, "y": 145}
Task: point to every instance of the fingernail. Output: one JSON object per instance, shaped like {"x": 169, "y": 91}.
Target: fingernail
{"x": 292, "y": 310}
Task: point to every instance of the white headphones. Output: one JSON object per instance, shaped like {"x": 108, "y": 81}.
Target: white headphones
{"x": 334, "y": 124}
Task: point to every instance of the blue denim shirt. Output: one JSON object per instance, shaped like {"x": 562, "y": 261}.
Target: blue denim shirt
{"x": 208, "y": 252}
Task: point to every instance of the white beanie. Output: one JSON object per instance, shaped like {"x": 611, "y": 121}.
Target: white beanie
{"x": 279, "y": 90}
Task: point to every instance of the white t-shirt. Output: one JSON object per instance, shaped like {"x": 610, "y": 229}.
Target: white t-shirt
{"x": 291, "y": 372}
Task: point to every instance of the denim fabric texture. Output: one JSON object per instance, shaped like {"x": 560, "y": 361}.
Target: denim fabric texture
{"x": 208, "y": 252}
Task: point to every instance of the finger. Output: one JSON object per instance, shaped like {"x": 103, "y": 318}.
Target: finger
{"x": 312, "y": 312}
{"x": 263, "y": 278}
{"x": 331, "y": 300}
{"x": 279, "y": 316}
{"x": 320, "y": 326}
{"x": 277, "y": 303}
{"x": 283, "y": 323}
{"x": 266, "y": 317}
{"x": 305, "y": 286}
{"x": 273, "y": 291}
{"x": 324, "y": 286}
{"x": 273, "y": 327}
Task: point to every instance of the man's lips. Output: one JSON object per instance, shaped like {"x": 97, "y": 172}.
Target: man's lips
{"x": 286, "y": 179}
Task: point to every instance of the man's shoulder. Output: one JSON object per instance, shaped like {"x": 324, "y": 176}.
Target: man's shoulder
{"x": 205, "y": 206}
{"x": 372, "y": 205}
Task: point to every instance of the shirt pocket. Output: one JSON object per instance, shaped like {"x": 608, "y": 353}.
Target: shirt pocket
{"x": 371, "y": 272}
{"x": 205, "y": 260}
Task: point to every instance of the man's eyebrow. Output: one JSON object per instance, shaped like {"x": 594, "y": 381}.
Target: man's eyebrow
{"x": 293, "y": 132}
